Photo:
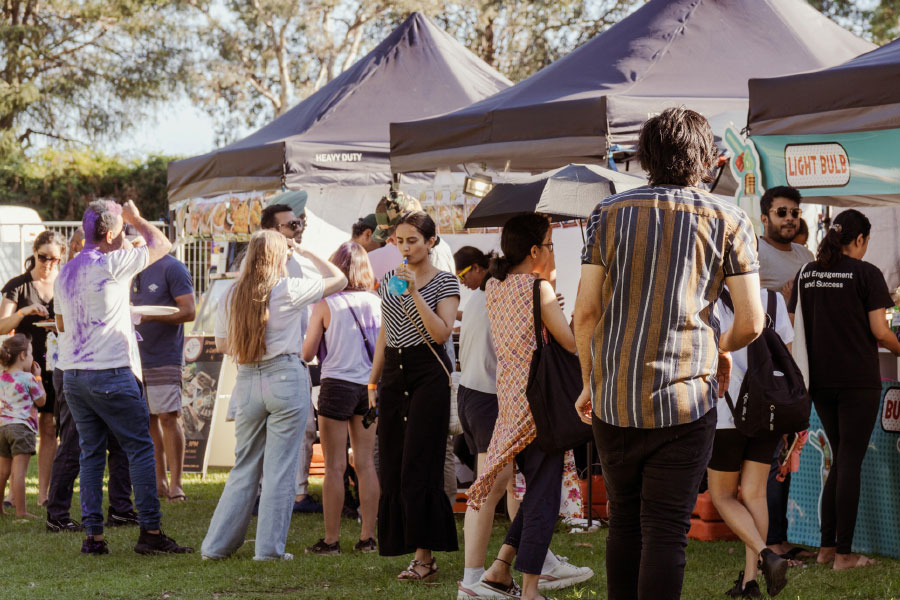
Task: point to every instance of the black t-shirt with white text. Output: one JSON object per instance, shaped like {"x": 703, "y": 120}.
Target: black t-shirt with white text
{"x": 836, "y": 303}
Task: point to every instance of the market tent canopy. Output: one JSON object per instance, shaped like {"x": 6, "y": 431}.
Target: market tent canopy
{"x": 696, "y": 53}
{"x": 339, "y": 135}
{"x": 833, "y": 133}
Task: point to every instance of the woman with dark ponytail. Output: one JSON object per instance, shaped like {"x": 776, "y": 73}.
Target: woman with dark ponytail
{"x": 843, "y": 300}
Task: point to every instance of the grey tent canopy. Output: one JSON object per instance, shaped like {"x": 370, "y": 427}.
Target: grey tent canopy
{"x": 862, "y": 94}
{"x": 340, "y": 134}
{"x": 696, "y": 53}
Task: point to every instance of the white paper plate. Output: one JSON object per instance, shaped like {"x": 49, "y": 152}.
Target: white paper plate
{"x": 154, "y": 310}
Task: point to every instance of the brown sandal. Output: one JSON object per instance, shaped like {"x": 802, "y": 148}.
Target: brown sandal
{"x": 410, "y": 574}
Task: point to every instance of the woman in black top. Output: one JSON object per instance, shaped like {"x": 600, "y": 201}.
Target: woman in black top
{"x": 843, "y": 300}
{"x": 411, "y": 371}
{"x": 26, "y": 300}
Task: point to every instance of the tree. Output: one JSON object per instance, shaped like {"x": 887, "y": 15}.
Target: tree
{"x": 84, "y": 69}
{"x": 878, "y": 21}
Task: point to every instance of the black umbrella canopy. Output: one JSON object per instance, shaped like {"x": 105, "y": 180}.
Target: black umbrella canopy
{"x": 696, "y": 53}
{"x": 564, "y": 194}
{"x": 340, "y": 134}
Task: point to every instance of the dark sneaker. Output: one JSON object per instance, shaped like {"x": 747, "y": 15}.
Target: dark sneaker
{"x": 738, "y": 588}
{"x": 119, "y": 519}
{"x": 321, "y": 547}
{"x": 57, "y": 525}
{"x": 774, "y": 569}
{"x": 751, "y": 590}
{"x": 366, "y": 546}
{"x": 307, "y": 505}
{"x": 92, "y": 546}
{"x": 158, "y": 543}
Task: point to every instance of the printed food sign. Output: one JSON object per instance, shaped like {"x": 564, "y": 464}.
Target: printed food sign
{"x": 890, "y": 415}
{"x": 816, "y": 165}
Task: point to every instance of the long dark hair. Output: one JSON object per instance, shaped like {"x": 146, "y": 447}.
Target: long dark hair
{"x": 844, "y": 230}
{"x": 43, "y": 238}
{"x": 520, "y": 235}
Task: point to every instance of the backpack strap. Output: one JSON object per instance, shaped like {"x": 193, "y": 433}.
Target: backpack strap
{"x": 772, "y": 308}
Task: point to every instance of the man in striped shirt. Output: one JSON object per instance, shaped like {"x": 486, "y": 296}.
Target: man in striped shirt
{"x": 652, "y": 358}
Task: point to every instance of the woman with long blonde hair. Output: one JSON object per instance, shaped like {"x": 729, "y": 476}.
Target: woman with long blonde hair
{"x": 258, "y": 323}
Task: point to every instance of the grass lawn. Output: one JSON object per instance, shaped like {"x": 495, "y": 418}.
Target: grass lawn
{"x": 41, "y": 565}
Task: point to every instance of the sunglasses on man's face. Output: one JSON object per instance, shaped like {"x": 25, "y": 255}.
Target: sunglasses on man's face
{"x": 295, "y": 225}
{"x": 782, "y": 211}
{"x": 48, "y": 259}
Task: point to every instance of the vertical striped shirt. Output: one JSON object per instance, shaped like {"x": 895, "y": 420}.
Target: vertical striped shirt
{"x": 666, "y": 251}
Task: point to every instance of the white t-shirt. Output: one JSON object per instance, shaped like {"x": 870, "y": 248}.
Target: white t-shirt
{"x": 384, "y": 259}
{"x": 777, "y": 267}
{"x": 442, "y": 257}
{"x": 302, "y": 268}
{"x": 287, "y": 307}
{"x": 477, "y": 357}
{"x": 783, "y": 328}
{"x": 92, "y": 293}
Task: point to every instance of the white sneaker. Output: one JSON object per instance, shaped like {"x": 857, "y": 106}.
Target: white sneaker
{"x": 484, "y": 589}
{"x": 563, "y": 575}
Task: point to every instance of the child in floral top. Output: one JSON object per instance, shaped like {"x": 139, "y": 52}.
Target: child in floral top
{"x": 21, "y": 391}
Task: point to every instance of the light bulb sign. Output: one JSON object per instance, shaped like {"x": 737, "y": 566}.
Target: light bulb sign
{"x": 816, "y": 165}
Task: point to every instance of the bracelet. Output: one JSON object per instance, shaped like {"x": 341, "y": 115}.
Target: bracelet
{"x": 38, "y": 378}
{"x": 371, "y": 386}
{"x": 20, "y": 313}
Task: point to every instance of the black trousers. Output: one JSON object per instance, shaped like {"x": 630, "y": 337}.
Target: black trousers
{"x": 777, "y": 493}
{"x": 413, "y": 419}
{"x": 651, "y": 477}
{"x": 66, "y": 466}
{"x": 532, "y": 529}
{"x": 848, "y": 416}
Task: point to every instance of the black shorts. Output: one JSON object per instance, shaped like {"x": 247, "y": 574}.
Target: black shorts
{"x": 477, "y": 415}
{"x": 731, "y": 448}
{"x": 340, "y": 400}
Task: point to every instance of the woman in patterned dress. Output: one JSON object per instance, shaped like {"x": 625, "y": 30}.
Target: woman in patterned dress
{"x": 527, "y": 247}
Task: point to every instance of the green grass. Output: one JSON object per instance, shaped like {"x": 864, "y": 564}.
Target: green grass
{"x": 41, "y": 565}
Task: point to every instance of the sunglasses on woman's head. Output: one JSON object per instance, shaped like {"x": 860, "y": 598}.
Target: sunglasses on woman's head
{"x": 782, "y": 211}
{"x": 47, "y": 259}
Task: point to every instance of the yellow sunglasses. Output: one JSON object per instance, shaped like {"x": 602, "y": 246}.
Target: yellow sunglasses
{"x": 462, "y": 273}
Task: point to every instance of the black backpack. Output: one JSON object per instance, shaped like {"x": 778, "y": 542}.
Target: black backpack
{"x": 773, "y": 397}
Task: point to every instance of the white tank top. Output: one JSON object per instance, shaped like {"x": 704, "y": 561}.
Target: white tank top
{"x": 347, "y": 358}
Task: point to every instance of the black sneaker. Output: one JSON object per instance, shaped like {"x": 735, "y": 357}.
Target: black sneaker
{"x": 158, "y": 543}
{"x": 751, "y": 590}
{"x": 67, "y": 524}
{"x": 774, "y": 569}
{"x": 738, "y": 588}
{"x": 321, "y": 547}
{"x": 92, "y": 546}
{"x": 366, "y": 546}
{"x": 119, "y": 519}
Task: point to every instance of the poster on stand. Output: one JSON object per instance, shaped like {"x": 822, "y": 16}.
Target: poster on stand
{"x": 744, "y": 164}
{"x": 199, "y": 388}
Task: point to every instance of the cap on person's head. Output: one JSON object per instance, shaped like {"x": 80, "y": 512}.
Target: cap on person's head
{"x": 390, "y": 209}
{"x": 369, "y": 221}
{"x": 295, "y": 199}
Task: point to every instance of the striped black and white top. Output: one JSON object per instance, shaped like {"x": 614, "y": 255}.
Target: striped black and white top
{"x": 399, "y": 332}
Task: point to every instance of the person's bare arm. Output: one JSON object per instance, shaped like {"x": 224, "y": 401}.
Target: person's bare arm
{"x": 333, "y": 279}
{"x": 315, "y": 330}
{"x": 377, "y": 365}
{"x": 553, "y": 318}
{"x": 586, "y": 315}
{"x": 881, "y": 331}
{"x": 223, "y": 346}
{"x": 749, "y": 316}
{"x": 158, "y": 245}
{"x": 438, "y": 323}
{"x": 60, "y": 326}
{"x": 187, "y": 312}
{"x": 10, "y": 317}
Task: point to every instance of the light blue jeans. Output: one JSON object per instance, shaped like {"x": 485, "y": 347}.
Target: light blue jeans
{"x": 272, "y": 404}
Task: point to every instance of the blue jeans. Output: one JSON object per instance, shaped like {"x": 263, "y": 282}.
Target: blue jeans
{"x": 272, "y": 402}
{"x": 111, "y": 400}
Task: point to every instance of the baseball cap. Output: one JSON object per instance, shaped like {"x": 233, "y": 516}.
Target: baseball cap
{"x": 295, "y": 199}
{"x": 369, "y": 221}
{"x": 387, "y": 215}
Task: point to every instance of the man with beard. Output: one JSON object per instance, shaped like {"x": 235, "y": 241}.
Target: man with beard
{"x": 286, "y": 214}
{"x": 779, "y": 257}
{"x": 779, "y": 261}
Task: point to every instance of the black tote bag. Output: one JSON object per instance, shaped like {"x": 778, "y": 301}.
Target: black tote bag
{"x": 554, "y": 384}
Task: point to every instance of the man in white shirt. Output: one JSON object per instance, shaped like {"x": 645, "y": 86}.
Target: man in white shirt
{"x": 281, "y": 215}
{"x": 98, "y": 352}
{"x": 779, "y": 258}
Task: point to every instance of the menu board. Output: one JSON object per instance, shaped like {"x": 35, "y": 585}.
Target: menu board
{"x": 449, "y": 209}
{"x": 232, "y": 217}
{"x": 199, "y": 389}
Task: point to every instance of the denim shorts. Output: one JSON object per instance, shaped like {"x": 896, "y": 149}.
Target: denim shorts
{"x": 15, "y": 439}
{"x": 340, "y": 400}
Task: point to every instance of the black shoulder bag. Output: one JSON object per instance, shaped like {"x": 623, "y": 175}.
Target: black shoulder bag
{"x": 554, "y": 384}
